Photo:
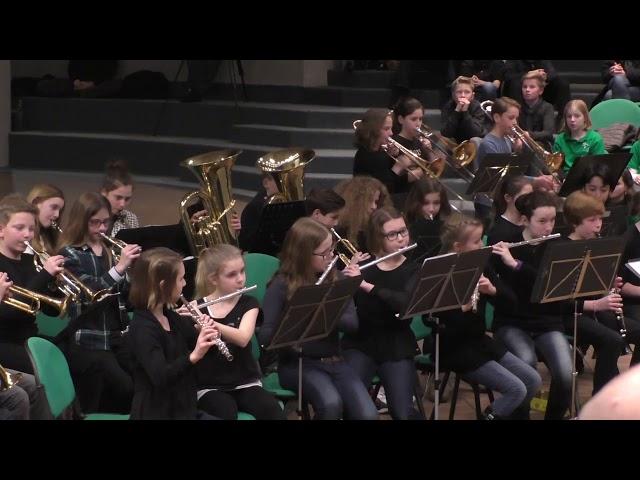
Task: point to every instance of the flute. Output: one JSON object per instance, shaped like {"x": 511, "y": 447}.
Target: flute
{"x": 387, "y": 257}
{"x": 197, "y": 316}
{"x": 242, "y": 291}
{"x": 533, "y": 240}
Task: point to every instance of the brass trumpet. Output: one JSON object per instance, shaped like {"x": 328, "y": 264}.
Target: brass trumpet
{"x": 67, "y": 282}
{"x": 347, "y": 245}
{"x": 36, "y": 299}
{"x": 116, "y": 246}
{"x": 8, "y": 379}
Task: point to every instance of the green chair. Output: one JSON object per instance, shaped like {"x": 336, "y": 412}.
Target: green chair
{"x": 616, "y": 110}
{"x": 50, "y": 326}
{"x": 52, "y": 371}
{"x": 259, "y": 269}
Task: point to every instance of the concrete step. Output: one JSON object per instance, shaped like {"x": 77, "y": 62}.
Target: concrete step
{"x": 577, "y": 65}
{"x": 586, "y": 87}
{"x": 360, "y": 78}
{"x": 285, "y": 136}
{"x": 581, "y": 77}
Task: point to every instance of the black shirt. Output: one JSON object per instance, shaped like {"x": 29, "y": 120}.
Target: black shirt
{"x": 504, "y": 231}
{"x": 539, "y": 121}
{"x": 378, "y": 165}
{"x": 464, "y": 125}
{"x": 214, "y": 371}
{"x": 250, "y": 220}
{"x": 631, "y": 252}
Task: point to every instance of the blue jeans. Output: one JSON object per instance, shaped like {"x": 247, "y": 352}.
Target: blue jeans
{"x": 556, "y": 353}
{"x": 516, "y": 381}
{"x": 398, "y": 379}
{"x": 620, "y": 87}
{"x": 333, "y": 389}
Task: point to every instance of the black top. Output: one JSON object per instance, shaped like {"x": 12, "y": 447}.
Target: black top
{"x": 464, "y": 125}
{"x": 214, "y": 371}
{"x": 163, "y": 377}
{"x": 250, "y": 220}
{"x": 274, "y": 306}
{"x": 487, "y": 70}
{"x": 381, "y": 335}
{"x": 539, "y": 121}
{"x": 15, "y": 325}
{"x": 426, "y": 233}
{"x": 631, "y": 252}
{"x": 378, "y": 165}
{"x": 504, "y": 231}
{"x": 464, "y": 346}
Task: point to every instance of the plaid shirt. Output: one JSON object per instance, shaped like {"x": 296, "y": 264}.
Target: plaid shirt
{"x": 106, "y": 320}
{"x": 125, "y": 219}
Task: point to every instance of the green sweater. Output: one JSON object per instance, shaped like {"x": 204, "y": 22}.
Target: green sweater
{"x": 634, "y": 163}
{"x": 590, "y": 144}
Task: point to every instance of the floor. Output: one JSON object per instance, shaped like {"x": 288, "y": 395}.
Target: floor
{"x": 156, "y": 202}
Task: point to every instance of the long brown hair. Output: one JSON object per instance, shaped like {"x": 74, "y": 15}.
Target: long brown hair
{"x": 368, "y": 130}
{"x": 295, "y": 258}
{"x": 210, "y": 261}
{"x": 149, "y": 270}
{"x": 116, "y": 175}
{"x": 45, "y": 238}
{"x": 375, "y": 230}
{"x": 76, "y": 231}
{"x": 358, "y": 193}
{"x": 415, "y": 199}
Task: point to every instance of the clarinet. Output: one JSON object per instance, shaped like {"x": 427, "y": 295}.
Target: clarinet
{"x": 196, "y": 316}
{"x": 621, "y": 325}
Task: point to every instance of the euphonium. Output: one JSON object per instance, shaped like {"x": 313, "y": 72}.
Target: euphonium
{"x": 287, "y": 169}
{"x": 213, "y": 170}
{"x": 36, "y": 299}
{"x": 8, "y": 379}
{"x": 457, "y": 156}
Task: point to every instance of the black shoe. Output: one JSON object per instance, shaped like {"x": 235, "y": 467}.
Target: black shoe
{"x": 191, "y": 96}
{"x": 489, "y": 415}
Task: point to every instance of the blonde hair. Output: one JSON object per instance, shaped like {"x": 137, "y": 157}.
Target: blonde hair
{"x": 579, "y": 206}
{"x": 358, "y": 193}
{"x": 457, "y": 229}
{"x": 582, "y": 108}
{"x": 295, "y": 258}
{"x": 210, "y": 261}
{"x": 153, "y": 267}
{"x": 15, "y": 203}
{"x": 47, "y": 237}
{"x": 534, "y": 76}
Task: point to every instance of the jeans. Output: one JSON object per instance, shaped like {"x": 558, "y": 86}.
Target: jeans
{"x": 38, "y": 403}
{"x": 398, "y": 379}
{"x": 333, "y": 389}
{"x": 516, "y": 381}
{"x": 556, "y": 353}
{"x": 620, "y": 87}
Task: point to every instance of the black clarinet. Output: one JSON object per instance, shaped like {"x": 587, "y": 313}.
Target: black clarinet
{"x": 622, "y": 325}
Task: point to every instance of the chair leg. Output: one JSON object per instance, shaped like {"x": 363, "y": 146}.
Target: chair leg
{"x": 476, "y": 395}
{"x": 445, "y": 380}
{"x": 416, "y": 392}
{"x": 490, "y": 395}
{"x": 454, "y": 398}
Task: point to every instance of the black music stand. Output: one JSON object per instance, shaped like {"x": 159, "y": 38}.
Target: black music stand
{"x": 312, "y": 314}
{"x": 494, "y": 167}
{"x": 275, "y": 221}
{"x": 617, "y": 162}
{"x": 574, "y": 269}
{"x": 445, "y": 282}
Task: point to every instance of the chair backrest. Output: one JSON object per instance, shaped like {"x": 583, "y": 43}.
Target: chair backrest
{"x": 615, "y": 110}
{"x": 259, "y": 269}
{"x": 255, "y": 347}
{"x": 50, "y": 326}
{"x": 52, "y": 371}
{"x": 420, "y": 330}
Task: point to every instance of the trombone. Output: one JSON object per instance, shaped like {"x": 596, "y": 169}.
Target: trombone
{"x": 35, "y": 301}
{"x": 67, "y": 282}
{"x": 456, "y": 156}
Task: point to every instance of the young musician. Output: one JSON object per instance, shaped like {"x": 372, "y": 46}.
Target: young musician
{"x": 325, "y": 206}
{"x": 328, "y": 382}
{"x": 17, "y": 224}
{"x": 537, "y": 117}
{"x": 96, "y": 334}
{"x": 252, "y": 212}
{"x": 504, "y": 113}
{"x": 507, "y": 224}
{"x": 599, "y": 328}
{"x": 162, "y": 341}
{"x": 117, "y": 188}
{"x": 464, "y": 346}
{"x": 462, "y": 116}
{"x": 374, "y": 157}
{"x": 49, "y": 200}
{"x": 385, "y": 344}
{"x": 226, "y": 387}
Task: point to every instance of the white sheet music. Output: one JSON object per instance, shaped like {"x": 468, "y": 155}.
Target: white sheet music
{"x": 634, "y": 266}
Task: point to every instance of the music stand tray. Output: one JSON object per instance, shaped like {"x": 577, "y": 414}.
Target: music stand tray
{"x": 494, "y": 167}
{"x": 275, "y": 221}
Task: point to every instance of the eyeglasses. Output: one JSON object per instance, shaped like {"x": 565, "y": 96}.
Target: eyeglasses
{"x": 96, "y": 222}
{"x": 391, "y": 236}
{"x": 325, "y": 255}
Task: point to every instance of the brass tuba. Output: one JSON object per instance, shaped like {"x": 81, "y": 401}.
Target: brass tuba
{"x": 213, "y": 170}
{"x": 287, "y": 169}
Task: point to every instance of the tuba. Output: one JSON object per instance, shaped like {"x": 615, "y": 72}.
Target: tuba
{"x": 287, "y": 169}
{"x": 213, "y": 170}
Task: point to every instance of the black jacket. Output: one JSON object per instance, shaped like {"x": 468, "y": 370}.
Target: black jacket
{"x": 464, "y": 125}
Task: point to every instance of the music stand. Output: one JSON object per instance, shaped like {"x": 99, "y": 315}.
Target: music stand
{"x": 445, "y": 282}
{"x": 275, "y": 221}
{"x": 617, "y": 162}
{"x": 574, "y": 269}
{"x": 494, "y": 167}
{"x": 312, "y": 314}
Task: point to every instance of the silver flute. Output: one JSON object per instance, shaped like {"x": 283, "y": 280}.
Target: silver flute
{"x": 328, "y": 270}
{"x": 197, "y": 317}
{"x": 242, "y": 291}
{"x": 534, "y": 240}
{"x": 387, "y": 257}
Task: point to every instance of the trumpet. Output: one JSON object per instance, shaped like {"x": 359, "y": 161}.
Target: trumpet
{"x": 116, "y": 246}
{"x": 197, "y": 317}
{"x": 67, "y": 282}
{"x": 55, "y": 226}
{"x": 35, "y": 301}
{"x": 8, "y": 379}
{"x": 456, "y": 156}
{"x": 346, "y": 244}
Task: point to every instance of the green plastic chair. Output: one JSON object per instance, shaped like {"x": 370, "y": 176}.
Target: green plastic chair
{"x": 271, "y": 382}
{"x": 259, "y": 269}
{"x": 616, "y": 110}
{"x": 50, "y": 326}
{"x": 52, "y": 371}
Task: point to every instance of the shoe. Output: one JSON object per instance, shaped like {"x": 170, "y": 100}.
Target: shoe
{"x": 489, "y": 415}
{"x": 381, "y": 402}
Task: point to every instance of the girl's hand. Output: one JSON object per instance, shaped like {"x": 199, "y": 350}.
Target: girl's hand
{"x": 612, "y": 303}
{"x": 54, "y": 265}
{"x": 183, "y": 311}
{"x": 128, "y": 255}
{"x": 235, "y": 222}
{"x": 426, "y": 144}
{"x": 618, "y": 282}
{"x": 351, "y": 270}
{"x": 206, "y": 338}
{"x": 467, "y": 307}
{"x": 486, "y": 287}
{"x": 360, "y": 257}
{"x": 197, "y": 215}
{"x": 502, "y": 249}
